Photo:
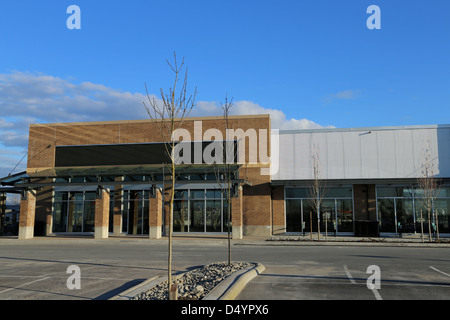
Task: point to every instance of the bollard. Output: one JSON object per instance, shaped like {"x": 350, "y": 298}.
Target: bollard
{"x": 173, "y": 292}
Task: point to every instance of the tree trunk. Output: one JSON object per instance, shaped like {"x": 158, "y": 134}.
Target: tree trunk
{"x": 429, "y": 227}
{"x": 318, "y": 223}
{"x": 171, "y": 226}
{"x": 437, "y": 225}
{"x": 421, "y": 224}
{"x": 229, "y": 217}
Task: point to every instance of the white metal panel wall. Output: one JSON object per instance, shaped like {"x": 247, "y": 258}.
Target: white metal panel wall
{"x": 302, "y": 155}
{"x": 422, "y": 140}
{"x": 319, "y": 145}
{"x": 369, "y": 154}
{"x": 352, "y": 153}
{"x": 443, "y": 146}
{"x": 386, "y": 145}
{"x": 375, "y": 153}
{"x": 405, "y": 154}
{"x": 335, "y": 160}
{"x": 286, "y": 157}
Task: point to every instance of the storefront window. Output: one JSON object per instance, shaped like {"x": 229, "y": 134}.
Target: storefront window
{"x": 293, "y": 215}
{"x": 344, "y": 215}
{"x": 200, "y": 210}
{"x": 136, "y": 211}
{"x": 404, "y": 209}
{"x": 386, "y": 216}
{"x": 74, "y": 212}
{"x": 180, "y": 216}
{"x": 442, "y": 211}
{"x": 336, "y": 210}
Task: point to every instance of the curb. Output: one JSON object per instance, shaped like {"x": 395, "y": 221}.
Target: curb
{"x": 134, "y": 291}
{"x": 344, "y": 243}
{"x": 228, "y": 289}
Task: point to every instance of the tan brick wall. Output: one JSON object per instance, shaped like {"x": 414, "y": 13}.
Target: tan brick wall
{"x": 257, "y": 198}
{"x": 117, "y": 211}
{"x": 155, "y": 205}
{"x": 102, "y": 209}
{"x": 278, "y": 219}
{"x": 44, "y": 137}
{"x": 237, "y": 210}
{"x": 27, "y": 210}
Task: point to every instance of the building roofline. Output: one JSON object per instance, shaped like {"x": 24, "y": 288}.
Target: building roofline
{"x": 143, "y": 121}
{"x": 354, "y": 129}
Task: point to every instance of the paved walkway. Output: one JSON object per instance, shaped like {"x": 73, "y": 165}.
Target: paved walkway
{"x": 404, "y": 240}
{"x": 296, "y": 267}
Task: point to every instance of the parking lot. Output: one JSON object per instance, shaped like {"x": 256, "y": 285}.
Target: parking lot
{"x": 342, "y": 273}
{"x": 38, "y": 269}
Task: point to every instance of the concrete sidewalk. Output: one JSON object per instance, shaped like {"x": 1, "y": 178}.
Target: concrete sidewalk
{"x": 404, "y": 240}
{"x": 283, "y": 240}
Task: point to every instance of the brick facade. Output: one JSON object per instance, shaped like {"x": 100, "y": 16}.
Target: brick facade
{"x": 256, "y": 198}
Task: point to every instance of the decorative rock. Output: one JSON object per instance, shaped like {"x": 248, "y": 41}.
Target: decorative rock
{"x": 197, "y": 283}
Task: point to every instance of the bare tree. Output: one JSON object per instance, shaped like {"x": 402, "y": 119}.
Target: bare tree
{"x": 169, "y": 115}
{"x": 429, "y": 185}
{"x": 226, "y": 107}
{"x": 318, "y": 188}
{"x": 224, "y": 170}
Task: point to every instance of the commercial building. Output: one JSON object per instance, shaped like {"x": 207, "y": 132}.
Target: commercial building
{"x": 112, "y": 178}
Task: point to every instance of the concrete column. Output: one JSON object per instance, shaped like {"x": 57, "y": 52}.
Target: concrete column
{"x": 118, "y": 205}
{"x": 155, "y": 215}
{"x": 102, "y": 215}
{"x": 2, "y": 211}
{"x": 237, "y": 216}
{"x": 48, "y": 222}
{"x": 365, "y": 202}
{"x": 278, "y": 214}
{"x": 27, "y": 215}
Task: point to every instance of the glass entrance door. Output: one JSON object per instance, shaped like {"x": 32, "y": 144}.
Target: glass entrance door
{"x": 199, "y": 210}
{"x": 74, "y": 211}
{"x": 136, "y": 211}
{"x": 213, "y": 215}
{"x": 386, "y": 209}
{"x": 328, "y": 215}
{"x": 180, "y": 216}
{"x": 197, "y": 215}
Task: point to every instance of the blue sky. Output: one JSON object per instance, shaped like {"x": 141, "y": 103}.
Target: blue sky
{"x": 309, "y": 63}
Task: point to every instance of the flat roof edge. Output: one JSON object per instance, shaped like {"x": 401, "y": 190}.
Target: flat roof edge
{"x": 113, "y": 122}
{"x": 354, "y": 129}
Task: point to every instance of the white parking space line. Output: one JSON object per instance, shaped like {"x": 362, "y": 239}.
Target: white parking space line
{"x": 352, "y": 281}
{"x": 349, "y": 275}
{"x": 23, "y": 285}
{"x": 377, "y": 294}
{"x": 441, "y": 272}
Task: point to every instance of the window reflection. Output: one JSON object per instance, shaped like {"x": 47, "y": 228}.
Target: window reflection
{"x": 336, "y": 211}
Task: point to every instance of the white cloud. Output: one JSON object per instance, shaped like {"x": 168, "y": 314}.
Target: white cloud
{"x": 51, "y": 99}
{"x": 39, "y": 98}
{"x": 341, "y": 95}
{"x": 278, "y": 117}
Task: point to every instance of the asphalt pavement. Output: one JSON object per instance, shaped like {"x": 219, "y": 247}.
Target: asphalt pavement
{"x": 295, "y": 268}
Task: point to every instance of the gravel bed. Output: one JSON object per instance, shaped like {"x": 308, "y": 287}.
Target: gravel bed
{"x": 197, "y": 283}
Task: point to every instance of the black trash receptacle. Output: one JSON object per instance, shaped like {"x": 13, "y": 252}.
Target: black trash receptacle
{"x": 366, "y": 228}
